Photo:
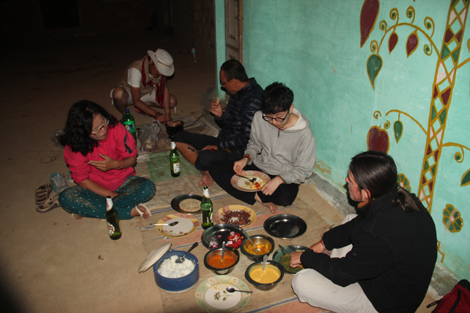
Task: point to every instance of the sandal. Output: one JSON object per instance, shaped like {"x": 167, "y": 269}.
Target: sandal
{"x": 58, "y": 182}
{"x": 49, "y": 204}
{"x": 142, "y": 213}
{"x": 42, "y": 193}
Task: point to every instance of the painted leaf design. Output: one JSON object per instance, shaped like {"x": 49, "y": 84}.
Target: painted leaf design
{"x": 374, "y": 64}
{"x": 465, "y": 178}
{"x": 392, "y": 42}
{"x": 411, "y": 43}
{"x": 369, "y": 13}
{"x": 398, "y": 130}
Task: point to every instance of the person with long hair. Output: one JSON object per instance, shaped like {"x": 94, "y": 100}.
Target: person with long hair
{"x": 383, "y": 258}
{"x": 100, "y": 154}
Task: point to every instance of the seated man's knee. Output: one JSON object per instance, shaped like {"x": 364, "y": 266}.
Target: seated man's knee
{"x": 310, "y": 285}
{"x": 180, "y": 137}
{"x": 204, "y": 160}
{"x": 173, "y": 101}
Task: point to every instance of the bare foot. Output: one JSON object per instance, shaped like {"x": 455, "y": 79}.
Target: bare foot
{"x": 77, "y": 217}
{"x": 206, "y": 179}
{"x": 270, "y": 205}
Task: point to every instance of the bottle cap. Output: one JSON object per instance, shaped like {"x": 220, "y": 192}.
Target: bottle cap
{"x": 173, "y": 145}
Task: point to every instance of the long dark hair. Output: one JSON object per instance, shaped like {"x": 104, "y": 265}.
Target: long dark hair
{"x": 79, "y": 124}
{"x": 377, "y": 172}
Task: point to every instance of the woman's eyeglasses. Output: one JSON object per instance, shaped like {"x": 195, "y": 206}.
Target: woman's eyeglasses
{"x": 99, "y": 129}
{"x": 277, "y": 119}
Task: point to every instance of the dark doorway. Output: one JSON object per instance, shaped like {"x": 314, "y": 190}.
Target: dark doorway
{"x": 59, "y": 13}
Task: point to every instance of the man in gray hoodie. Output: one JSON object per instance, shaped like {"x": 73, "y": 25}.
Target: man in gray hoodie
{"x": 281, "y": 145}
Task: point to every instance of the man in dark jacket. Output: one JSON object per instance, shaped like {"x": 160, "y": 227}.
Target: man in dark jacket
{"x": 234, "y": 122}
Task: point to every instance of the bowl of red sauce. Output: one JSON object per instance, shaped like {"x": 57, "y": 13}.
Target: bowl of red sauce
{"x": 213, "y": 260}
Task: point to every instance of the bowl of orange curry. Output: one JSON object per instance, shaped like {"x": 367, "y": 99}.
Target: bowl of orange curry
{"x": 264, "y": 244}
{"x": 213, "y": 260}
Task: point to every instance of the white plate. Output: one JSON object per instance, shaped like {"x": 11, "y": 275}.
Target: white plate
{"x": 212, "y": 296}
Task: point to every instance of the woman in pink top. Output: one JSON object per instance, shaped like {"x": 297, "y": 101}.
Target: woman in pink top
{"x": 100, "y": 154}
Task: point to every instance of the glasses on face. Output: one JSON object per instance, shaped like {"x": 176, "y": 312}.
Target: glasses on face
{"x": 100, "y": 128}
{"x": 223, "y": 84}
{"x": 277, "y": 119}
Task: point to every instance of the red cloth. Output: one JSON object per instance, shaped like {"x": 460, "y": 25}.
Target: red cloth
{"x": 159, "y": 87}
{"x": 119, "y": 145}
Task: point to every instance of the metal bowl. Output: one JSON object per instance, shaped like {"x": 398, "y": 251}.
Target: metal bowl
{"x": 278, "y": 256}
{"x": 273, "y": 265}
{"x": 257, "y": 239}
{"x": 216, "y": 252}
{"x": 219, "y": 233}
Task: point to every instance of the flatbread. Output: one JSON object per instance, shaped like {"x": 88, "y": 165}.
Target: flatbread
{"x": 190, "y": 205}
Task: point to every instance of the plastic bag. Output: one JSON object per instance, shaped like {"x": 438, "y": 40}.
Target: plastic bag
{"x": 149, "y": 136}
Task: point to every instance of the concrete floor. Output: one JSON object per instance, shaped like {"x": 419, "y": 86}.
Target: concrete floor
{"x": 50, "y": 262}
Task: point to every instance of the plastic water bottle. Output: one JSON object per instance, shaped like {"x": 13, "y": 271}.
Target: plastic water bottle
{"x": 112, "y": 220}
{"x": 206, "y": 208}
{"x": 129, "y": 123}
{"x": 174, "y": 161}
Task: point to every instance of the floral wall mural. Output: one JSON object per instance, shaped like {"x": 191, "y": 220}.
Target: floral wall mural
{"x": 447, "y": 64}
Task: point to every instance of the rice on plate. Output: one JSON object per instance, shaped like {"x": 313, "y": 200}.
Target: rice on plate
{"x": 170, "y": 269}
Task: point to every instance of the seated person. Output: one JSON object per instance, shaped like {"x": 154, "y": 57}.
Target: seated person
{"x": 383, "y": 258}
{"x": 235, "y": 123}
{"x": 144, "y": 85}
{"x": 281, "y": 145}
{"x": 100, "y": 154}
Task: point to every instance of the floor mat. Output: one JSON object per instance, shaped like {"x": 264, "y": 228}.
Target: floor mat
{"x": 260, "y": 301}
{"x": 159, "y": 167}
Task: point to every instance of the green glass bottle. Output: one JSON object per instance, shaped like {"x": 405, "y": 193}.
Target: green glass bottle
{"x": 174, "y": 161}
{"x": 206, "y": 208}
{"x": 112, "y": 220}
{"x": 129, "y": 123}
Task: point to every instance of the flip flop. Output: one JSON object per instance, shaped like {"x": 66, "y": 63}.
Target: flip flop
{"x": 42, "y": 193}
{"x": 49, "y": 205}
{"x": 58, "y": 182}
{"x": 146, "y": 209}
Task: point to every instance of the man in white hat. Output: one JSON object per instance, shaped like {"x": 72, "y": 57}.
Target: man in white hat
{"x": 144, "y": 85}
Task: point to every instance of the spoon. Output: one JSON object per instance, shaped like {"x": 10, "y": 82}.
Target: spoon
{"x": 252, "y": 180}
{"x": 231, "y": 289}
{"x": 180, "y": 259}
{"x": 256, "y": 248}
{"x": 171, "y": 224}
{"x": 223, "y": 251}
{"x": 265, "y": 258}
{"x": 283, "y": 250}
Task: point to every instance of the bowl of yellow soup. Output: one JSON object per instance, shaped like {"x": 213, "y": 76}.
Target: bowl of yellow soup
{"x": 264, "y": 244}
{"x": 265, "y": 279}
{"x": 213, "y": 260}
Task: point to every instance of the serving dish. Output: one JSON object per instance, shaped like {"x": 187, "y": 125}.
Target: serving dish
{"x": 285, "y": 226}
{"x": 176, "y": 203}
{"x": 232, "y": 210}
{"x": 214, "y": 236}
{"x": 284, "y": 259}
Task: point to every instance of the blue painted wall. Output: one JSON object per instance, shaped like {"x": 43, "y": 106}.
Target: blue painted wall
{"x": 314, "y": 47}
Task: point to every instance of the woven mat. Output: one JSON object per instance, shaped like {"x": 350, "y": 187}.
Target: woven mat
{"x": 159, "y": 167}
{"x": 260, "y": 300}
